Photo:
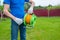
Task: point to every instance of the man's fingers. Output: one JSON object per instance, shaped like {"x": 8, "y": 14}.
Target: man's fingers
{"x": 18, "y": 21}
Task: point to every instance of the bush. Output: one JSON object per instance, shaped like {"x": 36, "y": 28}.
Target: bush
{"x": 1, "y": 8}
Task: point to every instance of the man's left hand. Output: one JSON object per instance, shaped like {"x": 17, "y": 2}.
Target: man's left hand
{"x": 30, "y": 10}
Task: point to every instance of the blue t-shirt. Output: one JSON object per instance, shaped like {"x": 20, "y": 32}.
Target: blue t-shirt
{"x": 16, "y": 7}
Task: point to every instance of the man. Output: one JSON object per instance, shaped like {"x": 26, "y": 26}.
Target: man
{"x": 17, "y": 14}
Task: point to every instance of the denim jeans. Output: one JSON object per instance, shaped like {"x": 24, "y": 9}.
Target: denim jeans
{"x": 14, "y": 31}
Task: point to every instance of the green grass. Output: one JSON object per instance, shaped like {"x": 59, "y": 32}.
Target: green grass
{"x": 45, "y": 29}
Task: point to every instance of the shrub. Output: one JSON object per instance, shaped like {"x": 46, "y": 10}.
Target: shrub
{"x": 1, "y": 8}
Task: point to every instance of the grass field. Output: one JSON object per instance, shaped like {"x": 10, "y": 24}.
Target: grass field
{"x": 45, "y": 29}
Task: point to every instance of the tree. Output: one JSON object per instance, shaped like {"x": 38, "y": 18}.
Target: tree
{"x": 1, "y": 12}
{"x": 49, "y": 8}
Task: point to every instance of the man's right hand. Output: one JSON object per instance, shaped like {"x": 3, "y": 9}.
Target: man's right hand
{"x": 18, "y": 21}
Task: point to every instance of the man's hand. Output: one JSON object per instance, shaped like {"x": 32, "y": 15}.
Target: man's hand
{"x": 18, "y": 21}
{"x": 30, "y": 10}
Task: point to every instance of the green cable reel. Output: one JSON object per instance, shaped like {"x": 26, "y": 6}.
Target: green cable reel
{"x": 32, "y": 20}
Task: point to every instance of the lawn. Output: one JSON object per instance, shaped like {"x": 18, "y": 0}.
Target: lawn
{"x": 44, "y": 29}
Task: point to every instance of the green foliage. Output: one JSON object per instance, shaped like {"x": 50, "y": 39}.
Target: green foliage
{"x": 56, "y": 7}
{"x": 39, "y": 7}
{"x": 47, "y": 7}
{"x": 1, "y": 8}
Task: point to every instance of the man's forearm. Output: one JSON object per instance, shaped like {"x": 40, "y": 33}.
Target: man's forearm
{"x": 17, "y": 20}
{"x": 7, "y": 13}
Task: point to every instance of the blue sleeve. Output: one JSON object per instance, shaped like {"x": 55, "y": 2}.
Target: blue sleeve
{"x": 26, "y": 0}
{"x": 7, "y": 2}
